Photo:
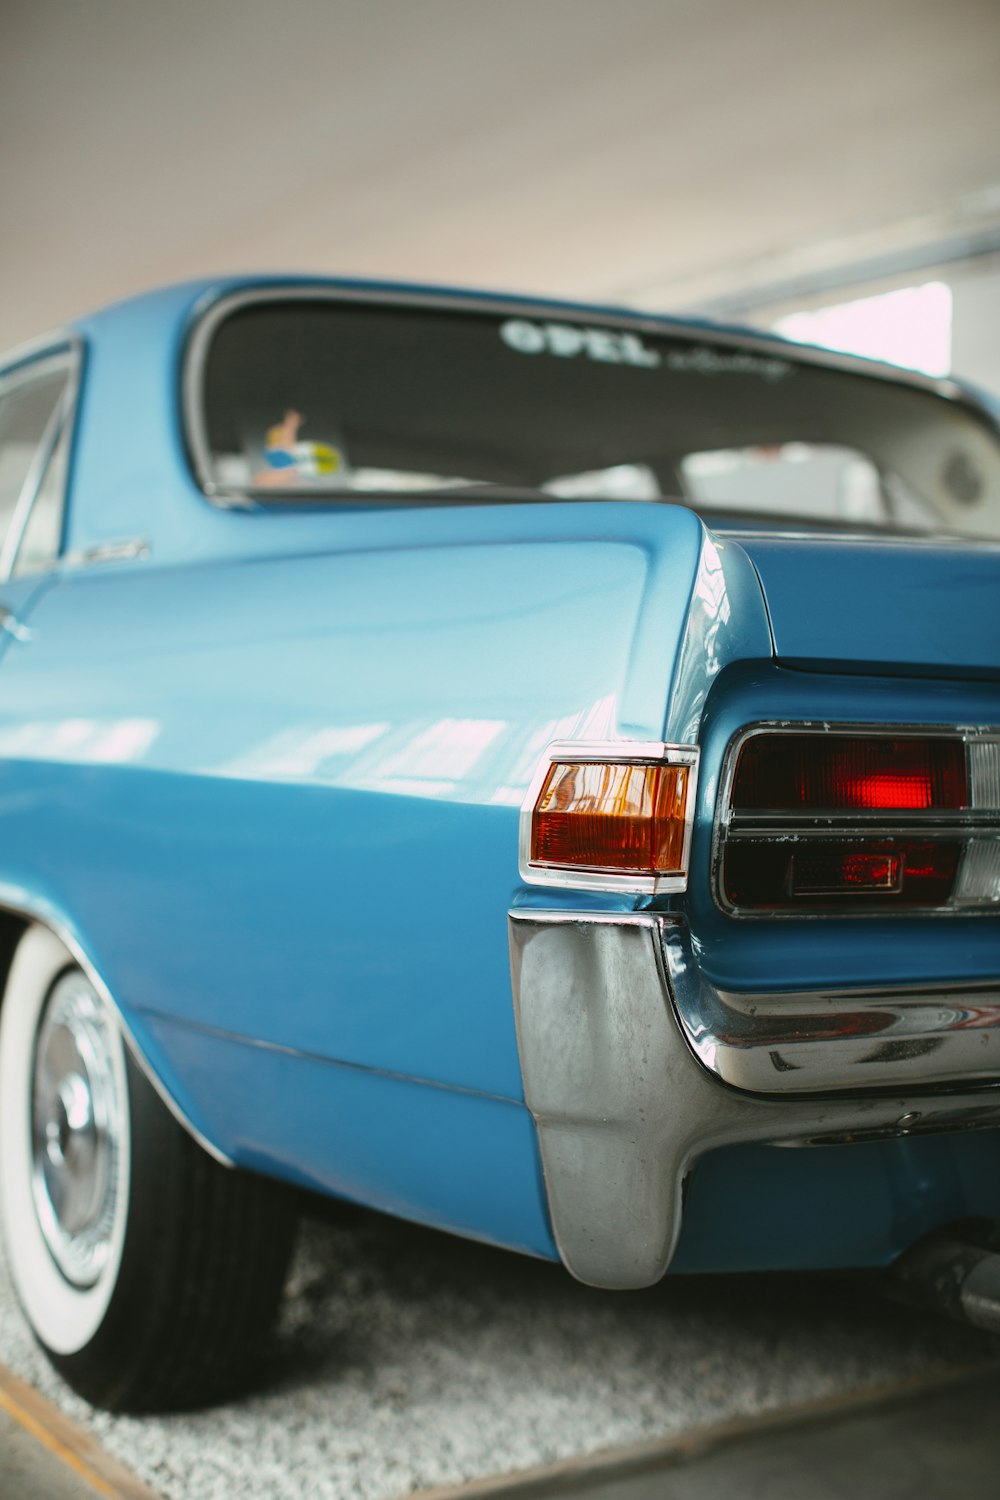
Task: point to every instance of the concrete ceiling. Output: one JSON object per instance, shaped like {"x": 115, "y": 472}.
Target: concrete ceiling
{"x": 671, "y": 151}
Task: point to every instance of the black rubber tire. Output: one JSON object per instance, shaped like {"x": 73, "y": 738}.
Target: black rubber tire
{"x": 205, "y": 1258}
{"x": 202, "y": 1266}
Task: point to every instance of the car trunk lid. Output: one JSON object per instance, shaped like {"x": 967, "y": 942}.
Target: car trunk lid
{"x": 888, "y": 605}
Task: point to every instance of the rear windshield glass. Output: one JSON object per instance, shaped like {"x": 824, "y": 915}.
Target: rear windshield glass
{"x": 315, "y": 400}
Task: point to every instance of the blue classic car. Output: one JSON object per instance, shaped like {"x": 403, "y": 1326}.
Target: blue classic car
{"x": 509, "y": 764}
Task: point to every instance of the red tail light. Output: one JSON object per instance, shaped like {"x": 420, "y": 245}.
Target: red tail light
{"x": 766, "y": 875}
{"x": 792, "y": 771}
{"x": 823, "y": 820}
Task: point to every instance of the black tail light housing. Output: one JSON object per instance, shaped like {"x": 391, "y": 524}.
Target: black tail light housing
{"x": 820, "y": 819}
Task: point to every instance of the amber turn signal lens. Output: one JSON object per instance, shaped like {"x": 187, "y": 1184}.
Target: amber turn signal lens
{"x": 606, "y": 816}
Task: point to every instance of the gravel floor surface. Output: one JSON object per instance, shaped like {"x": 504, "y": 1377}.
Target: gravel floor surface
{"x": 407, "y": 1359}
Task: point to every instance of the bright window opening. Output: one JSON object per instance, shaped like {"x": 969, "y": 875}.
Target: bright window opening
{"x": 909, "y": 327}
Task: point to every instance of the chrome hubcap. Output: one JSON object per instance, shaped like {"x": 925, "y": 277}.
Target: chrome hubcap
{"x": 77, "y": 1121}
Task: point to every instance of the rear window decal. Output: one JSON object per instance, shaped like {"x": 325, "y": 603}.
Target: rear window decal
{"x": 566, "y": 340}
{"x": 702, "y": 359}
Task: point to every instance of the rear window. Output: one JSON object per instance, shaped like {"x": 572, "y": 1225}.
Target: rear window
{"x": 314, "y": 400}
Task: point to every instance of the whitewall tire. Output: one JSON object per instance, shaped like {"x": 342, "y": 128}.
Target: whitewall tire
{"x": 149, "y": 1273}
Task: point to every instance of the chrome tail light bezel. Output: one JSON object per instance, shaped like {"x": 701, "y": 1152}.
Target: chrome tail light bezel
{"x": 608, "y": 752}
{"x": 978, "y": 823}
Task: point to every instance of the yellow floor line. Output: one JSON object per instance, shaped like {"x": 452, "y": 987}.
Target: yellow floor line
{"x": 69, "y": 1443}
{"x": 60, "y": 1449}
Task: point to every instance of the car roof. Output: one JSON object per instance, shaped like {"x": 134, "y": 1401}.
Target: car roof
{"x": 179, "y": 305}
{"x": 132, "y": 474}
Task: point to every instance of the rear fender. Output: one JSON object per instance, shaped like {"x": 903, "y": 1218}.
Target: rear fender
{"x": 19, "y": 911}
{"x": 287, "y": 812}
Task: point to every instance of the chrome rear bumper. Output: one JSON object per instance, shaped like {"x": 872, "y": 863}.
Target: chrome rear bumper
{"x": 634, "y": 1066}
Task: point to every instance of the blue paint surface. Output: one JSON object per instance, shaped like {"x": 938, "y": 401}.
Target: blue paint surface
{"x": 865, "y": 606}
{"x": 458, "y": 1160}
{"x": 270, "y": 776}
{"x": 833, "y": 1207}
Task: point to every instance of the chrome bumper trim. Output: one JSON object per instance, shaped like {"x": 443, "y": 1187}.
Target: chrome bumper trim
{"x": 626, "y": 1097}
{"x": 835, "y": 1041}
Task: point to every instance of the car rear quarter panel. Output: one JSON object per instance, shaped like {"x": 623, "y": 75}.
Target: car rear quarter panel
{"x": 276, "y": 798}
{"x": 267, "y": 780}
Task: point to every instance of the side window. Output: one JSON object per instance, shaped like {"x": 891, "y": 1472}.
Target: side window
{"x": 32, "y": 458}
{"x": 42, "y": 534}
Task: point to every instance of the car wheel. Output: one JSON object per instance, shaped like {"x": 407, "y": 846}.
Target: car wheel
{"x": 149, "y": 1273}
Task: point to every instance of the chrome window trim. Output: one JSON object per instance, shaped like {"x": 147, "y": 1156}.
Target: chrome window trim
{"x": 215, "y": 307}
{"x": 32, "y": 362}
{"x": 838, "y": 823}
{"x": 56, "y": 341}
{"x": 619, "y": 752}
{"x": 35, "y": 476}
{"x": 935, "y": 539}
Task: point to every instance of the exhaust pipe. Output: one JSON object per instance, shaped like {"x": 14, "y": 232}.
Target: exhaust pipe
{"x": 950, "y": 1274}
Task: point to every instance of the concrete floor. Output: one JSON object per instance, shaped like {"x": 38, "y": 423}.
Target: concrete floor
{"x": 408, "y": 1360}
{"x": 941, "y": 1445}
{"x": 29, "y": 1471}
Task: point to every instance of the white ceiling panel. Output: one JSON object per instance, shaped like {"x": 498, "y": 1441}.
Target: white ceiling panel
{"x": 659, "y": 150}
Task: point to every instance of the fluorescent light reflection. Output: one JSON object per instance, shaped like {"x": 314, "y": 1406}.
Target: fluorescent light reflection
{"x": 477, "y": 760}
{"x": 80, "y": 741}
